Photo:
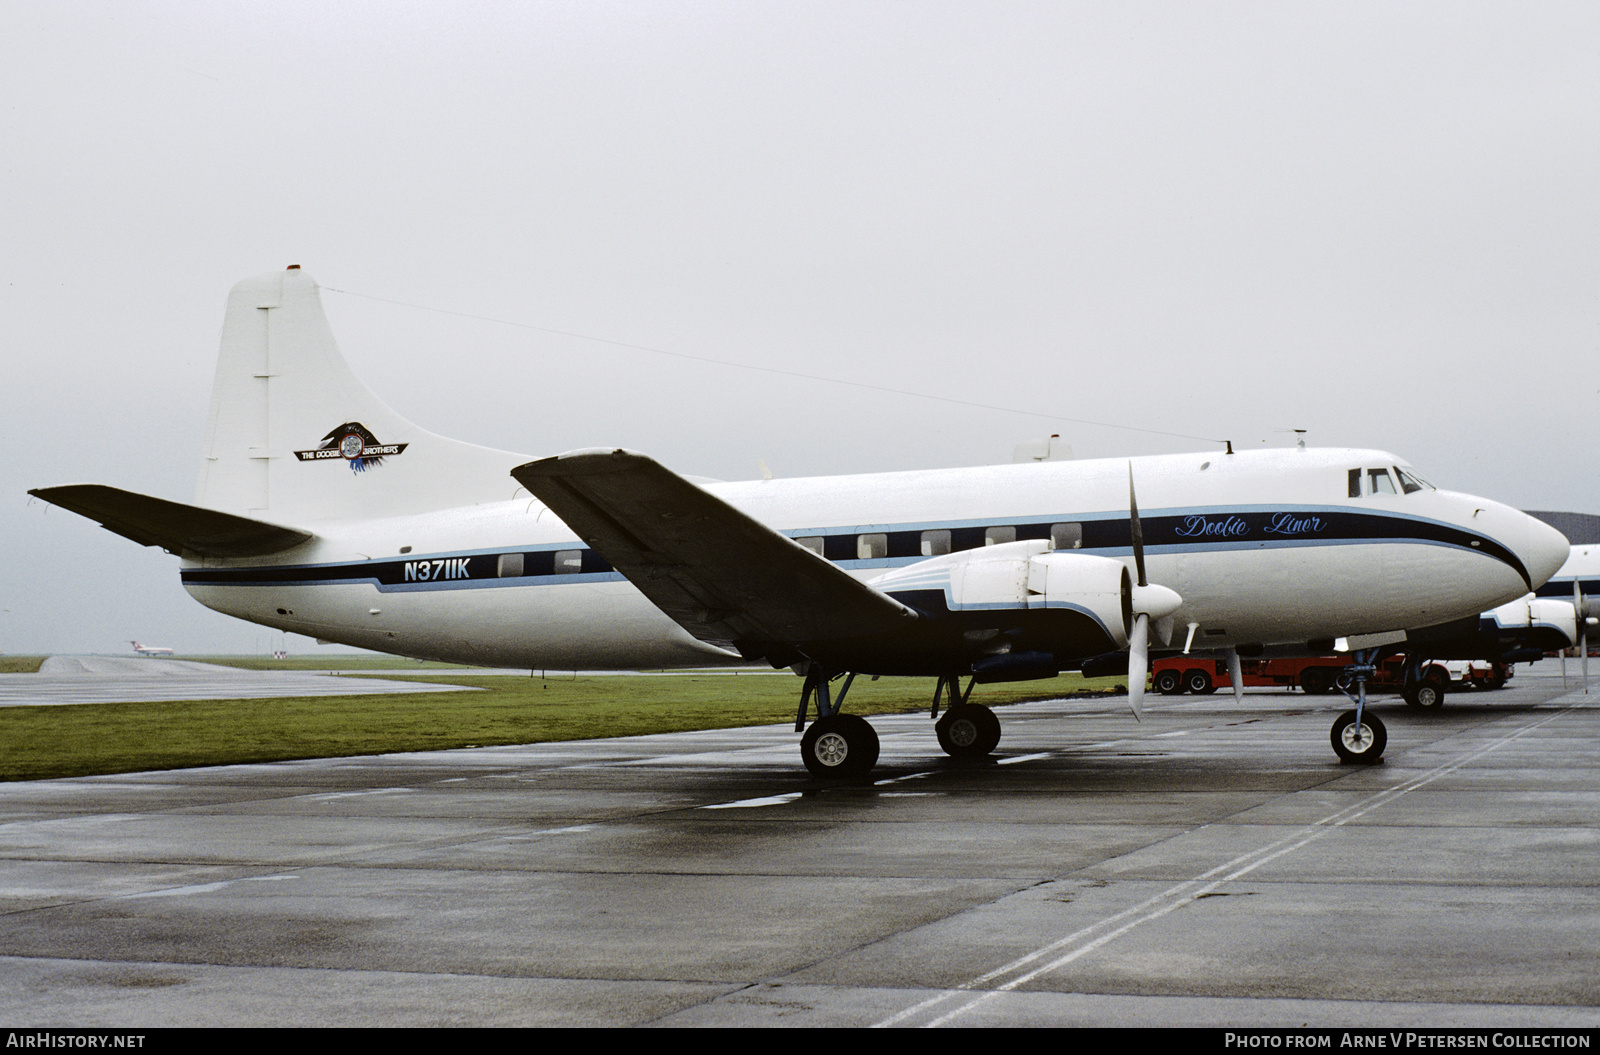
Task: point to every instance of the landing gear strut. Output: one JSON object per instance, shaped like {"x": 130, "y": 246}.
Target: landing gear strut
{"x": 1358, "y": 737}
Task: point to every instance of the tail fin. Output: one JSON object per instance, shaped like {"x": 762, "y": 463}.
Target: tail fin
{"x": 295, "y": 435}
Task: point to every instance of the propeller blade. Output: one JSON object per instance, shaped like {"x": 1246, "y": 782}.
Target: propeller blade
{"x": 1236, "y": 675}
{"x": 1135, "y": 532}
{"x": 1138, "y": 663}
{"x": 1583, "y": 629}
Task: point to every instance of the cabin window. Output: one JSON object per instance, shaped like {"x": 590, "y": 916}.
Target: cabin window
{"x": 998, "y": 536}
{"x": 569, "y": 561}
{"x": 1066, "y": 536}
{"x": 872, "y": 547}
{"x": 510, "y": 565}
{"x": 812, "y": 543}
{"x": 1355, "y": 483}
{"x": 1381, "y": 482}
{"x": 936, "y": 543}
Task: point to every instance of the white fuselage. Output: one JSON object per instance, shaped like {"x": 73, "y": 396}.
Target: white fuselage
{"x": 1265, "y": 548}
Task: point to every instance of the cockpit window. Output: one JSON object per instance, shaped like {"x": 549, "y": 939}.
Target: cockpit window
{"x": 1410, "y": 482}
{"x": 1379, "y": 482}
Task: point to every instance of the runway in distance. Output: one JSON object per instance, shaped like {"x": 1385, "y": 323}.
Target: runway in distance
{"x": 321, "y": 511}
{"x": 150, "y": 650}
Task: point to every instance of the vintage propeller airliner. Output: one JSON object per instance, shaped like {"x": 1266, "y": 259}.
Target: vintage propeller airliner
{"x": 323, "y": 512}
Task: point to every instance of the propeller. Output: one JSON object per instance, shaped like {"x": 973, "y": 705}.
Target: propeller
{"x": 1149, "y": 602}
{"x": 1581, "y": 610}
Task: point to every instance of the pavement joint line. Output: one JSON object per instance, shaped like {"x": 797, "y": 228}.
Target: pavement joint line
{"x": 1188, "y": 891}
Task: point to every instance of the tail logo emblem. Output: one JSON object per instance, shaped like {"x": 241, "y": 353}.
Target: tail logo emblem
{"x": 356, "y": 444}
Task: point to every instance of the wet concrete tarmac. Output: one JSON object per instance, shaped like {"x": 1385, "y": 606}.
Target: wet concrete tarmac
{"x": 1214, "y": 865}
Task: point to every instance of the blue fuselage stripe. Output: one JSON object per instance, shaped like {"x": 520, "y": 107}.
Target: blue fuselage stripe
{"x": 1165, "y": 532}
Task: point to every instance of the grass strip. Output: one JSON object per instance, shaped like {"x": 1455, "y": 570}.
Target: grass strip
{"x": 39, "y": 743}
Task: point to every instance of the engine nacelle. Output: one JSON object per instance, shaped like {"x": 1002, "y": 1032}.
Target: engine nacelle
{"x": 1555, "y": 617}
{"x": 1024, "y": 576}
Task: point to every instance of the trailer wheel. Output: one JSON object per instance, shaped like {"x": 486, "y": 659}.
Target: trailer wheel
{"x": 1168, "y": 682}
{"x": 1316, "y": 681}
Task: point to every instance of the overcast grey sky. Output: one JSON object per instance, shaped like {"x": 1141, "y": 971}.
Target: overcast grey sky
{"x": 1373, "y": 221}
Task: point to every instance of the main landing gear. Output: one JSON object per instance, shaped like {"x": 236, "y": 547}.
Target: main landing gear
{"x": 841, "y": 746}
{"x": 845, "y": 746}
{"x": 1424, "y": 689}
{"x": 1358, "y": 737}
{"x": 967, "y": 730}
{"x": 838, "y": 746}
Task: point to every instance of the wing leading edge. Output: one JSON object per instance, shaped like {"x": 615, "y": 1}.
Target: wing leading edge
{"x": 722, "y": 575}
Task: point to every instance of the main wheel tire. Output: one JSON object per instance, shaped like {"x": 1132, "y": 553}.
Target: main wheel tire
{"x": 1428, "y": 693}
{"x": 1316, "y": 681}
{"x": 1168, "y": 682}
{"x": 1362, "y": 744}
{"x": 968, "y": 730}
{"x": 840, "y": 746}
{"x": 1198, "y": 682}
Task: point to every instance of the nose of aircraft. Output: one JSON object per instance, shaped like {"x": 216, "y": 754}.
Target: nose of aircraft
{"x": 1544, "y": 552}
{"x": 1540, "y": 548}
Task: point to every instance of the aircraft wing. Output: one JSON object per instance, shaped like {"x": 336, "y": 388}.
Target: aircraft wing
{"x": 175, "y": 527}
{"x": 720, "y": 573}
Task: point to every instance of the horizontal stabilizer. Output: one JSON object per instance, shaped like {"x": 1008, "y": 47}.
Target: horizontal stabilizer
{"x": 175, "y": 527}
{"x": 720, "y": 573}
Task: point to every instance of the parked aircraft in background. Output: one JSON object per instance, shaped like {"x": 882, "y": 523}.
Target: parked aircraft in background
{"x": 321, "y": 511}
{"x": 1578, "y": 580}
{"x": 150, "y": 650}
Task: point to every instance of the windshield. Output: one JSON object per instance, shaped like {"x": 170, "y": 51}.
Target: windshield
{"x": 1410, "y": 481}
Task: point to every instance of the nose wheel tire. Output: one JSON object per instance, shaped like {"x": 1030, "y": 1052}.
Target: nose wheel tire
{"x": 840, "y": 746}
{"x": 968, "y": 730}
{"x": 1359, "y": 743}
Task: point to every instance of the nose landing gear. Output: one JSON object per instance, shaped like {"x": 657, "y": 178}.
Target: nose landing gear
{"x": 1359, "y": 738}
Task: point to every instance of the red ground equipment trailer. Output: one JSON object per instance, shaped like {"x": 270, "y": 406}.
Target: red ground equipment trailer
{"x": 1318, "y": 675}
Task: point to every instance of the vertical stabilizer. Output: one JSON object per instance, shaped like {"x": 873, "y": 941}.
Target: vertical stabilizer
{"x": 294, "y": 436}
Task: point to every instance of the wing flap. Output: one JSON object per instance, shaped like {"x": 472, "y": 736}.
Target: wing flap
{"x": 182, "y": 529}
{"x": 720, "y": 573}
